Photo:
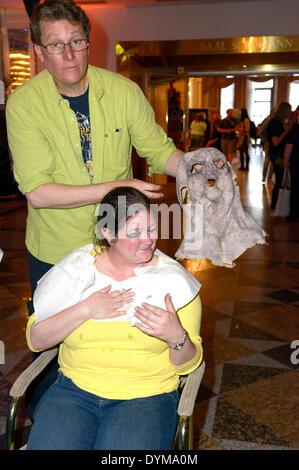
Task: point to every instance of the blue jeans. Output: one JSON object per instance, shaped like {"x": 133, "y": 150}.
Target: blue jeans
{"x": 68, "y": 418}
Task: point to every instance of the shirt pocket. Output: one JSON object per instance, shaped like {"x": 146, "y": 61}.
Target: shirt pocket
{"x": 117, "y": 149}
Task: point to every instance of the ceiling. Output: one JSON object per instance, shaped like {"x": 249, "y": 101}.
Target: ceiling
{"x": 168, "y": 60}
{"x": 129, "y": 3}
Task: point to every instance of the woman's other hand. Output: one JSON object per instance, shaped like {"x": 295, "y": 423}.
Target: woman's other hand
{"x": 165, "y": 325}
{"x": 161, "y": 323}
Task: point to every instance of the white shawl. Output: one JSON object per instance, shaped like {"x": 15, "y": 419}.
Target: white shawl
{"x": 76, "y": 277}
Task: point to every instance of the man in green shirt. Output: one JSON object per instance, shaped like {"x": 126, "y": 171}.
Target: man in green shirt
{"x": 71, "y": 130}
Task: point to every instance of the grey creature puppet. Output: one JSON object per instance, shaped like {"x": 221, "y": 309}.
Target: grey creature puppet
{"x": 218, "y": 227}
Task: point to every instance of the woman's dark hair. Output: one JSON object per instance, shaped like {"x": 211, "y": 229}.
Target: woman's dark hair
{"x": 282, "y": 110}
{"x": 117, "y": 207}
{"x": 244, "y": 114}
{"x": 55, "y": 10}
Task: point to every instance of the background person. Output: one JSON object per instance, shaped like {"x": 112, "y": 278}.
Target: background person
{"x": 265, "y": 144}
{"x": 278, "y": 129}
{"x": 227, "y": 128}
{"x": 212, "y": 133}
{"x": 291, "y": 162}
{"x": 197, "y": 131}
{"x": 244, "y": 139}
{"x": 118, "y": 379}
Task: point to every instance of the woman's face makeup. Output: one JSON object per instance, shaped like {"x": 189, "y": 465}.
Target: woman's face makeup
{"x": 136, "y": 240}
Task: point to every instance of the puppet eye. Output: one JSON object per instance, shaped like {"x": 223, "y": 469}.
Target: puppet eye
{"x": 219, "y": 164}
{"x": 197, "y": 167}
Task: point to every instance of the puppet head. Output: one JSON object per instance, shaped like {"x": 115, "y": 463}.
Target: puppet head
{"x": 218, "y": 228}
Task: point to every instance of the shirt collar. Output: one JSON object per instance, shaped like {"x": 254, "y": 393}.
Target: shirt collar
{"x": 94, "y": 84}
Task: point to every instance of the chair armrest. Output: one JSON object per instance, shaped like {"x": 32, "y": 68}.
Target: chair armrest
{"x": 190, "y": 390}
{"x": 24, "y": 380}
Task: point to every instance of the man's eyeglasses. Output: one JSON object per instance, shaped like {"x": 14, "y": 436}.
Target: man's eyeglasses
{"x": 76, "y": 45}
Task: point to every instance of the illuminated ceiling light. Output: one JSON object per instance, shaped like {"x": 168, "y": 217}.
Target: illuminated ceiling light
{"x": 268, "y": 67}
{"x": 250, "y": 48}
{"x": 14, "y": 54}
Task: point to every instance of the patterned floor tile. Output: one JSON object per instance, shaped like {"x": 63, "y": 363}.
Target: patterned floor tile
{"x": 219, "y": 349}
{"x": 285, "y": 296}
{"x": 204, "y": 394}
{"x": 14, "y": 361}
{"x": 204, "y": 442}
{"x": 233, "y": 423}
{"x": 223, "y": 327}
{"x": 258, "y": 344}
{"x": 236, "y": 375}
{"x": 13, "y": 334}
{"x": 280, "y": 276}
{"x": 10, "y": 278}
{"x": 247, "y": 306}
{"x": 251, "y": 281}
{"x": 225, "y": 307}
{"x": 285, "y": 354}
{"x": 274, "y": 402}
{"x": 204, "y": 415}
{"x": 240, "y": 329}
{"x": 5, "y": 387}
{"x": 229, "y": 444}
{"x": 21, "y": 289}
{"x": 273, "y": 321}
{"x": 259, "y": 359}
{"x": 210, "y": 314}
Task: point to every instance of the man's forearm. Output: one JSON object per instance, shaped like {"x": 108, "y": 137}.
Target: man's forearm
{"x": 63, "y": 196}
{"x": 172, "y": 162}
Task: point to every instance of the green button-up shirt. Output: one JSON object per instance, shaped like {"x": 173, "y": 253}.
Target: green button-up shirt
{"x": 45, "y": 143}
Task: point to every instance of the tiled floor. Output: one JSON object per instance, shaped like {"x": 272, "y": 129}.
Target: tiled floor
{"x": 249, "y": 397}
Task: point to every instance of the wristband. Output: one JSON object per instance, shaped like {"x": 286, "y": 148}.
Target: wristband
{"x": 179, "y": 346}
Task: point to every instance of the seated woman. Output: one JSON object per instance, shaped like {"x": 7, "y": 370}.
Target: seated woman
{"x": 127, "y": 318}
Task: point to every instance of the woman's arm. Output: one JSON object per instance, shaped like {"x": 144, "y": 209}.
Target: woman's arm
{"x": 102, "y": 304}
{"x": 277, "y": 139}
{"x": 166, "y": 325}
{"x": 247, "y": 126}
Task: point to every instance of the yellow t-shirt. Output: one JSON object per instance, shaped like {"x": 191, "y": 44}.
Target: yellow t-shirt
{"x": 116, "y": 360}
